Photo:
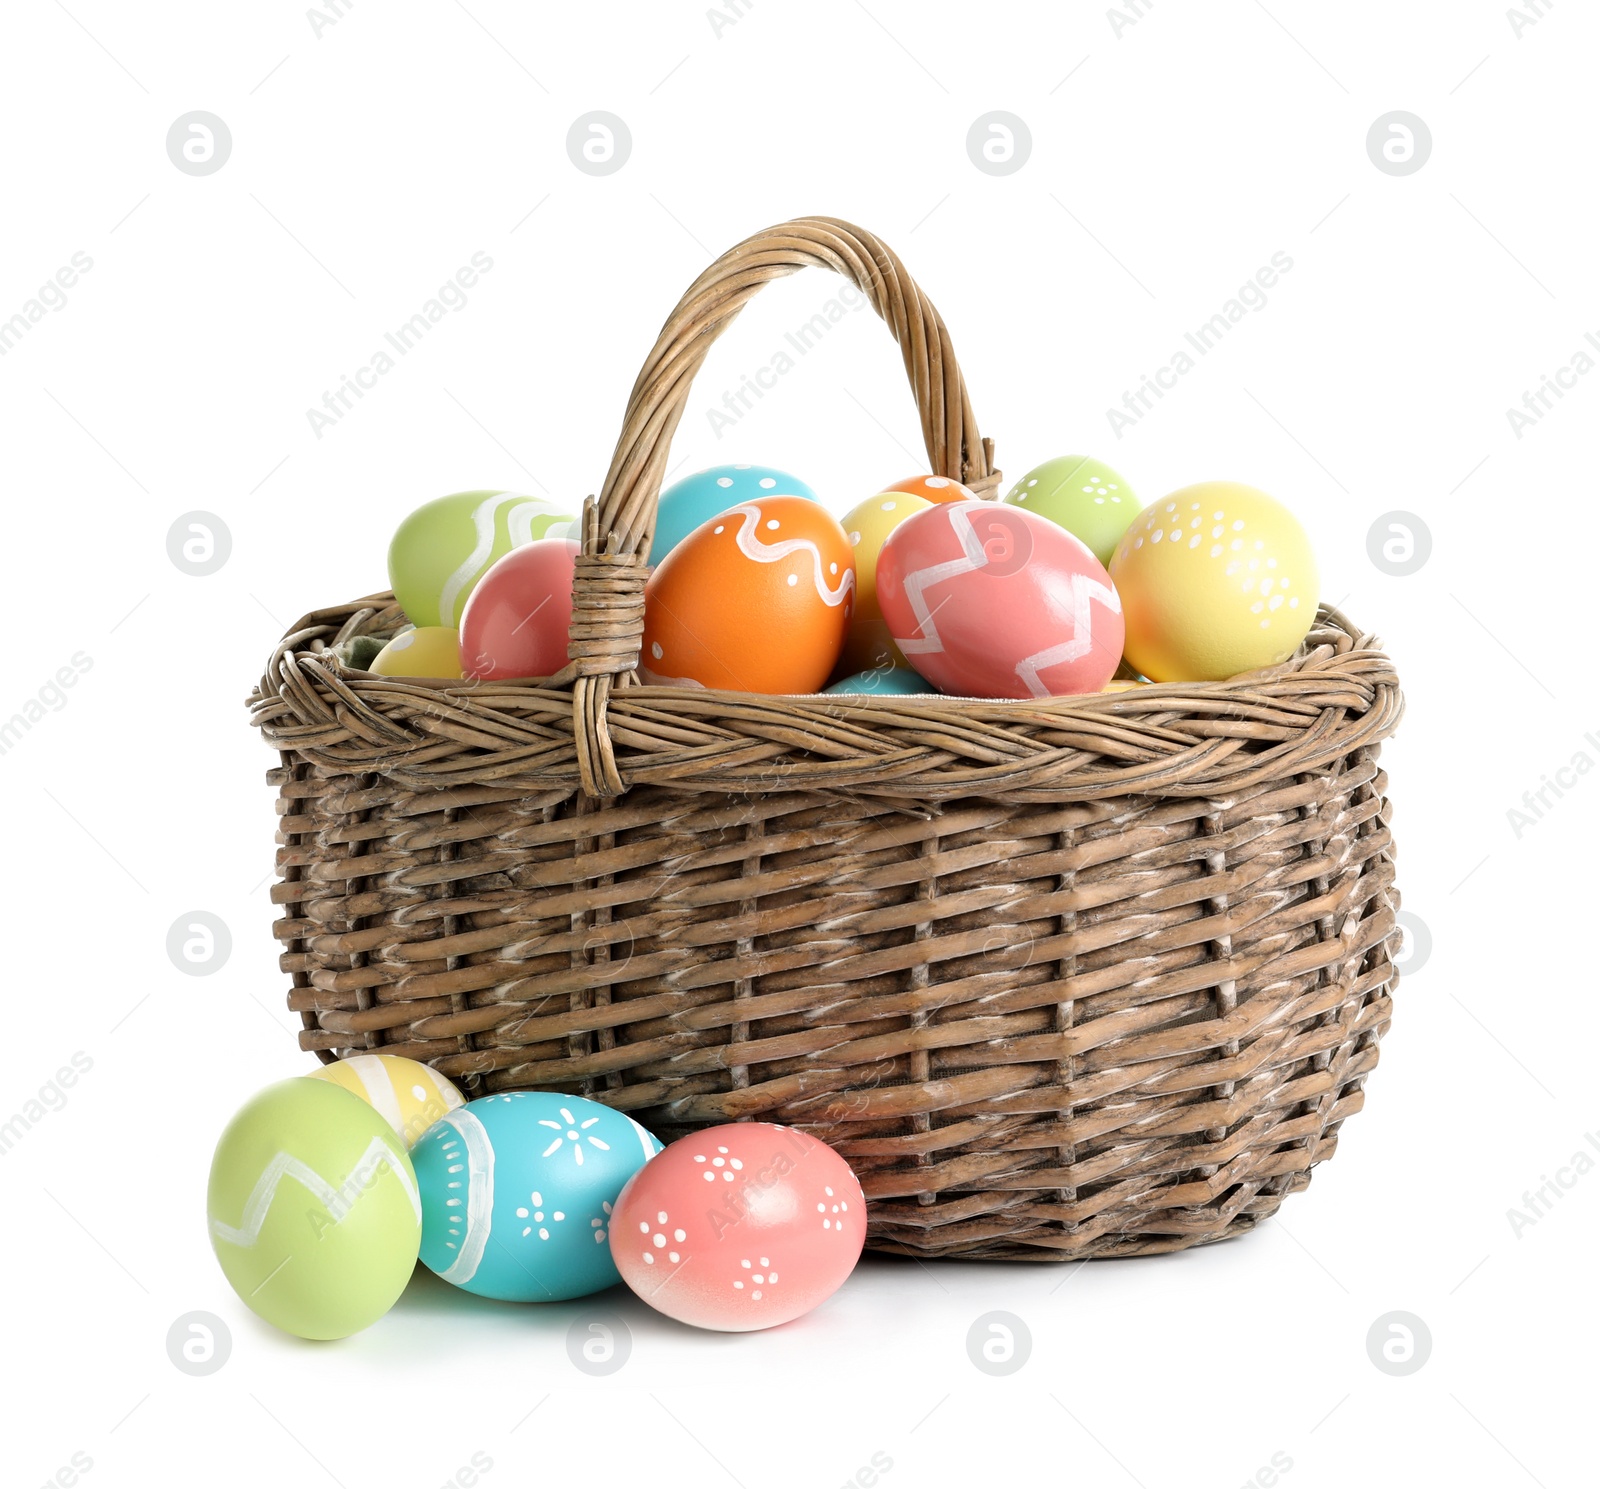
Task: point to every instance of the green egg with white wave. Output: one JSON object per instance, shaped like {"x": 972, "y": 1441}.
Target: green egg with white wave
{"x": 313, "y": 1209}
{"x": 1084, "y": 496}
{"x": 444, "y": 548}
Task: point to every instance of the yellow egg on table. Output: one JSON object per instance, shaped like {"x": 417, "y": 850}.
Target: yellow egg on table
{"x": 427, "y": 651}
{"x": 1215, "y": 580}
{"x": 869, "y": 643}
{"x": 407, "y": 1094}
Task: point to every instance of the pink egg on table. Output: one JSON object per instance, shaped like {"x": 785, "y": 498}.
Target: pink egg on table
{"x": 516, "y": 620}
{"x": 739, "y": 1227}
{"x": 990, "y": 601}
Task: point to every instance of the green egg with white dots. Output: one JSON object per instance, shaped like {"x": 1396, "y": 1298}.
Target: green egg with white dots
{"x": 1083, "y": 495}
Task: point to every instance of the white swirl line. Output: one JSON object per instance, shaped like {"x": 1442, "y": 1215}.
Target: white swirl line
{"x": 770, "y": 553}
{"x": 483, "y": 521}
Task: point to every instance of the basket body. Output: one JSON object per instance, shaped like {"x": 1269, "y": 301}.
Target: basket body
{"x": 1035, "y": 1029}
{"x": 1060, "y": 977}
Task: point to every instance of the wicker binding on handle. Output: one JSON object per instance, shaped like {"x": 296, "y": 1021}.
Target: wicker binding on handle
{"x": 1069, "y": 977}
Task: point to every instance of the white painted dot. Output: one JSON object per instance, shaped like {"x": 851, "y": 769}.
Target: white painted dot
{"x": 719, "y": 529}
{"x": 728, "y": 1175}
{"x": 1283, "y": 584}
{"x": 1257, "y": 608}
{"x": 1272, "y": 563}
{"x": 1238, "y": 525}
{"x": 755, "y": 1292}
{"x": 1294, "y": 602}
{"x": 1236, "y": 544}
{"x": 1099, "y": 501}
{"x": 1216, "y": 549}
{"x": 655, "y": 650}
{"x": 649, "y": 1260}
{"x": 1194, "y": 542}
{"x": 772, "y": 524}
{"x": 1216, "y": 516}
{"x": 680, "y": 1235}
{"x": 644, "y": 1226}
{"x": 1171, "y": 507}
{"x": 937, "y": 481}
{"x": 1155, "y": 537}
{"x": 737, "y": 1282}
{"x": 1266, "y": 586}
{"x": 767, "y": 483}
{"x": 855, "y": 541}
{"x": 827, "y": 1225}
{"x": 724, "y": 481}
{"x": 745, "y": 1264}
{"x": 718, "y": 1162}
{"x": 672, "y": 1256}
{"x": 1175, "y": 534}
{"x": 794, "y": 579}
{"x": 1274, "y": 602}
{"x": 833, "y": 568}
{"x": 735, "y": 1163}
{"x": 1216, "y": 532}
{"x": 741, "y": 467}
{"x": 658, "y": 1239}
{"x": 419, "y": 1093}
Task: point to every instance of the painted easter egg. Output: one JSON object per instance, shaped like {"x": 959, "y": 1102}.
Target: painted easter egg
{"x": 517, "y": 1193}
{"x": 990, "y": 601}
{"x": 933, "y": 488}
{"x": 757, "y": 599}
{"x": 866, "y": 525}
{"x": 883, "y": 680}
{"x": 1083, "y": 495}
{"x": 446, "y": 546}
{"x": 739, "y": 1227}
{"x": 313, "y": 1209}
{"x": 685, "y": 504}
{"x": 407, "y": 1094}
{"x": 516, "y": 622}
{"x": 424, "y": 651}
{"x": 1216, "y": 579}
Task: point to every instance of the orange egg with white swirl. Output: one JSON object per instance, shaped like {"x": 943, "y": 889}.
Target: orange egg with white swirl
{"x": 757, "y": 599}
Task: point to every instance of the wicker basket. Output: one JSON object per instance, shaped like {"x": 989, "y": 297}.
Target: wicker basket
{"x": 1086, "y": 976}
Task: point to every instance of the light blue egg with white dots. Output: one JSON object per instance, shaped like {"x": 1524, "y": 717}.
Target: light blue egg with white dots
{"x": 517, "y": 1191}
{"x": 687, "y": 503}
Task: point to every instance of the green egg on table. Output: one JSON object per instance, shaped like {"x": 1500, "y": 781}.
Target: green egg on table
{"x": 443, "y": 548}
{"x": 313, "y": 1209}
{"x": 1083, "y": 495}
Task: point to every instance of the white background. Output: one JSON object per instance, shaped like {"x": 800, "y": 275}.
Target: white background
{"x": 1169, "y": 161}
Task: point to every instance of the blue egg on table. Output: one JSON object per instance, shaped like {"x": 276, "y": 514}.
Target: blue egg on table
{"x": 685, "y": 504}
{"x": 517, "y": 1191}
{"x": 884, "y": 680}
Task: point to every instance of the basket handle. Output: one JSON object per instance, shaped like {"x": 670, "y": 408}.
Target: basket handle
{"x": 608, "y": 590}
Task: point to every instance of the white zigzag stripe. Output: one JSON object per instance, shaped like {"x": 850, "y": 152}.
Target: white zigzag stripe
{"x": 973, "y": 557}
{"x": 337, "y": 1202}
{"x": 1084, "y": 592}
{"x": 769, "y": 553}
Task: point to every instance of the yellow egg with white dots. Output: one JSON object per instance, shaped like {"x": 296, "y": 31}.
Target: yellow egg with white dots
{"x": 869, "y": 644}
{"x": 1215, "y": 580}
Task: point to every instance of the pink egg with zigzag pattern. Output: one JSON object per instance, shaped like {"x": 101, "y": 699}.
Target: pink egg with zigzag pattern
{"x": 990, "y": 601}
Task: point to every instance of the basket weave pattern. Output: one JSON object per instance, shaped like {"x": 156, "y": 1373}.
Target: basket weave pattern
{"x": 1087, "y": 976}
